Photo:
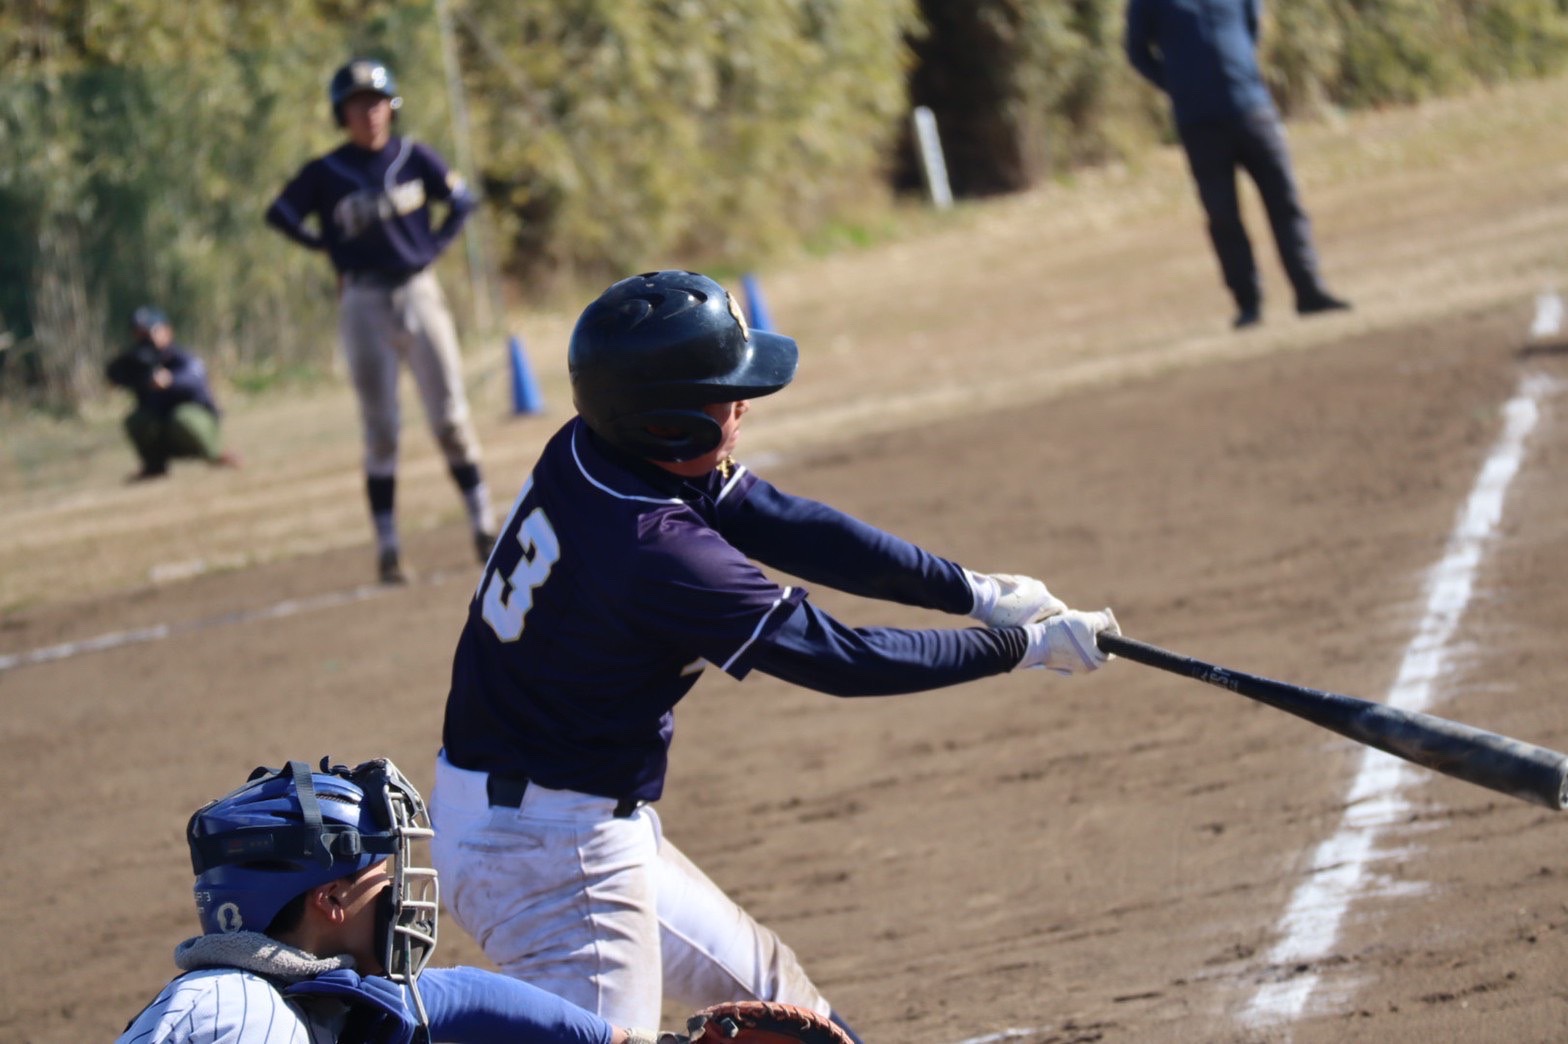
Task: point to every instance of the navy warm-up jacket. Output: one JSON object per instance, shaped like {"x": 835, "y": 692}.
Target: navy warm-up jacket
{"x": 1202, "y": 53}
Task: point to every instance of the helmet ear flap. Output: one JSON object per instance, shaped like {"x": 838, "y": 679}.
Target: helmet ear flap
{"x": 669, "y": 434}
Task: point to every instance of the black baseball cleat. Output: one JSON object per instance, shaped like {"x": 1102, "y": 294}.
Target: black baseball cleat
{"x": 1251, "y": 316}
{"x": 1318, "y": 303}
{"x": 149, "y": 472}
{"x": 484, "y": 543}
{"x": 389, "y": 569}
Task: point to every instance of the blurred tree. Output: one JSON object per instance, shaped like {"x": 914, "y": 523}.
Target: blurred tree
{"x": 615, "y": 137}
{"x": 141, "y": 140}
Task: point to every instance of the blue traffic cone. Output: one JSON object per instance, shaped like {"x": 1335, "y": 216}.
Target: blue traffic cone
{"x": 756, "y": 308}
{"x": 525, "y": 392}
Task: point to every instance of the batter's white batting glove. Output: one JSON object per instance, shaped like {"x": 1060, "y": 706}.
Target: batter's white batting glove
{"x": 1006, "y": 600}
{"x": 1064, "y": 643}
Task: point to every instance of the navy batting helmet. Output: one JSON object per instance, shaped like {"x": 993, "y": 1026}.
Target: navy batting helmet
{"x": 361, "y": 75}
{"x": 288, "y": 830}
{"x": 654, "y": 349}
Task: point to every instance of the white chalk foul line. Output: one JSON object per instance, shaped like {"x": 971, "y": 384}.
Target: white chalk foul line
{"x": 1007, "y": 1034}
{"x": 157, "y": 632}
{"x": 1342, "y": 865}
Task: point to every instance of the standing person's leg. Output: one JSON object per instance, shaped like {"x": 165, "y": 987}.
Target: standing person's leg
{"x": 1211, "y": 156}
{"x": 1266, "y": 158}
{"x": 365, "y": 328}
{"x": 436, "y": 362}
{"x": 558, "y": 892}
{"x": 714, "y": 951}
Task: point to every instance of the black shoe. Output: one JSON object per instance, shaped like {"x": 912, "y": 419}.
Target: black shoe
{"x": 1318, "y": 303}
{"x": 1251, "y": 316}
{"x": 150, "y": 472}
{"x": 484, "y": 543}
{"x": 388, "y": 569}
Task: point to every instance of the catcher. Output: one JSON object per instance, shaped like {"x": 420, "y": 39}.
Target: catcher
{"x": 317, "y": 926}
{"x": 627, "y": 566}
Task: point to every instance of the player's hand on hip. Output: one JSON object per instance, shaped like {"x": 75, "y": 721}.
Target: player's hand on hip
{"x": 1009, "y": 600}
{"x": 1065, "y": 643}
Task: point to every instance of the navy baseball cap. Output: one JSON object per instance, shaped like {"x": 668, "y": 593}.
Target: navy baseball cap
{"x": 146, "y": 317}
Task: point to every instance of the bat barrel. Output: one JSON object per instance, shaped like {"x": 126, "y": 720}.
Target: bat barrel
{"x": 1513, "y": 767}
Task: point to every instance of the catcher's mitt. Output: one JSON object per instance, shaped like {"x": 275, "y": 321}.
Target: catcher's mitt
{"x": 760, "y": 1022}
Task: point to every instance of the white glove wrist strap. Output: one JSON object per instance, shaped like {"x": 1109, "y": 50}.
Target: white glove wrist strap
{"x": 986, "y": 591}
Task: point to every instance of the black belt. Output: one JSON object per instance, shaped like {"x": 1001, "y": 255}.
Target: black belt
{"x": 508, "y": 792}
{"x": 379, "y": 277}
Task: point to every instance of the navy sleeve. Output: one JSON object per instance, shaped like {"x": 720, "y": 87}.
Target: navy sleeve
{"x": 297, "y": 200}
{"x": 442, "y": 183}
{"x": 1254, "y": 18}
{"x": 128, "y": 370}
{"x": 822, "y": 545}
{"x": 815, "y": 651}
{"x": 188, "y": 379}
{"x": 480, "y": 1007}
{"x": 1139, "y": 43}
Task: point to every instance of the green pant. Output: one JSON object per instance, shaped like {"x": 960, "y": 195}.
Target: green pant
{"x": 190, "y": 431}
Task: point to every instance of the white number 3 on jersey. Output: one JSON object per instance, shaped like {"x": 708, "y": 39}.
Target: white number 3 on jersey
{"x": 507, "y": 602}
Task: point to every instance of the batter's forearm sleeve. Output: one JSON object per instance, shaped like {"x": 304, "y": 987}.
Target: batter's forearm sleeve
{"x": 813, "y": 650}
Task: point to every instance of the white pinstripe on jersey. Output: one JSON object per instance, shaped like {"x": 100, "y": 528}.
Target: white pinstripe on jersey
{"x": 225, "y": 1006}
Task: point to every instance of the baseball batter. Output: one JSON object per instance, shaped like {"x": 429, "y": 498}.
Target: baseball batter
{"x": 625, "y": 568}
{"x": 316, "y": 928}
{"x": 370, "y": 201}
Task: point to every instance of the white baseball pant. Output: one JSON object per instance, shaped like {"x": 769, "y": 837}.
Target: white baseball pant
{"x": 604, "y": 912}
{"x": 379, "y": 326}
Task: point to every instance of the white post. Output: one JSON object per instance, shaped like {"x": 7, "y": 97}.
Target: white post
{"x": 931, "y": 160}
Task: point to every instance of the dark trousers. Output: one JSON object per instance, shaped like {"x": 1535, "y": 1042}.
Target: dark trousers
{"x": 1254, "y": 143}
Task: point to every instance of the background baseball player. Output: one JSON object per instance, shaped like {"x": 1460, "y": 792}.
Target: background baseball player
{"x": 1203, "y": 54}
{"x": 623, "y": 570}
{"x": 317, "y": 927}
{"x": 371, "y": 201}
{"x": 175, "y": 415}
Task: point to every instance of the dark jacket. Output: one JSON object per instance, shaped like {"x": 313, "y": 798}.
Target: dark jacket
{"x": 133, "y": 369}
{"x": 1202, "y": 53}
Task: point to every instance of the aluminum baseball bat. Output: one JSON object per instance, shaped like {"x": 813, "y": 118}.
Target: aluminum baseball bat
{"x": 1513, "y": 767}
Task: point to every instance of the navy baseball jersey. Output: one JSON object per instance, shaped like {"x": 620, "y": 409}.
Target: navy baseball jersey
{"x": 614, "y": 582}
{"x": 373, "y": 207}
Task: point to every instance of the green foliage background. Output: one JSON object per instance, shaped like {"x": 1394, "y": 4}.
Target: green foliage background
{"x": 141, "y": 140}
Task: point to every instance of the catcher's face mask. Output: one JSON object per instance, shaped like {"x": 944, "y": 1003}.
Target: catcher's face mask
{"x": 407, "y": 911}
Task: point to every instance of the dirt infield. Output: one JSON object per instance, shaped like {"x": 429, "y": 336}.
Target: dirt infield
{"x": 1039, "y": 387}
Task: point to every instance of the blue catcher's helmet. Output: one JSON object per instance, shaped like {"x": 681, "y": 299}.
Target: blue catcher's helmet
{"x": 361, "y": 75}
{"x": 654, "y": 349}
{"x": 288, "y": 830}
